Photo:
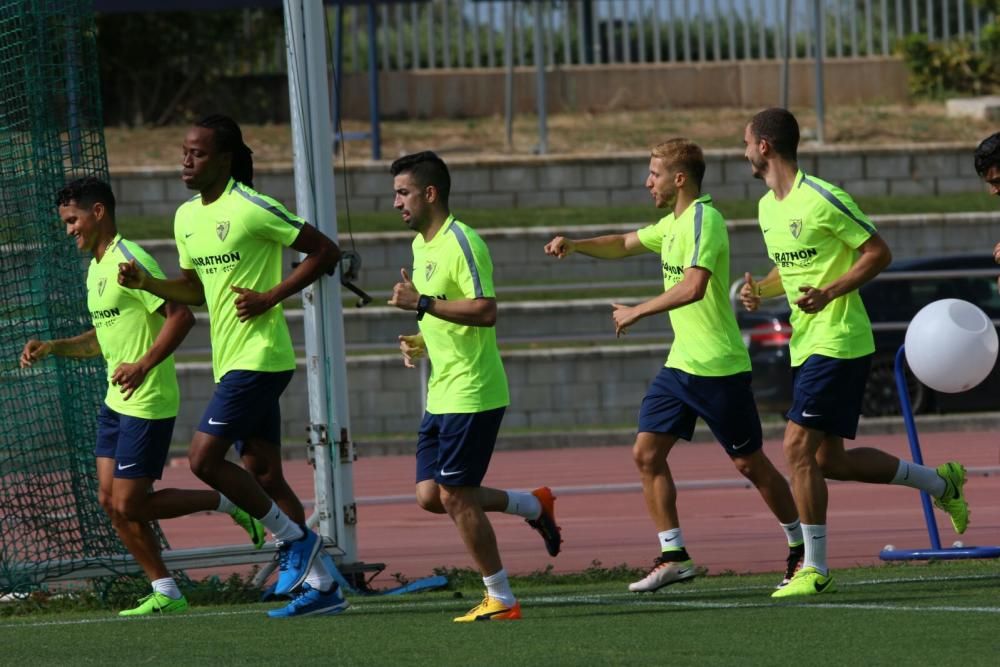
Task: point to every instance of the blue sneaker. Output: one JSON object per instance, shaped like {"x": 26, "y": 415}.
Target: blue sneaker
{"x": 312, "y": 602}
{"x": 295, "y": 557}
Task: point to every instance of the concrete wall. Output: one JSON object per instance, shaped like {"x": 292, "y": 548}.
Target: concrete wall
{"x": 592, "y": 180}
{"x": 465, "y": 93}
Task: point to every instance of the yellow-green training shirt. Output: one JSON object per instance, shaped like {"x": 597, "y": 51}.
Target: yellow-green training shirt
{"x": 707, "y": 340}
{"x": 812, "y": 236}
{"x": 467, "y": 374}
{"x": 237, "y": 240}
{"x": 127, "y": 324}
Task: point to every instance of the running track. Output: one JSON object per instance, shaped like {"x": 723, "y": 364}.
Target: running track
{"x": 603, "y": 517}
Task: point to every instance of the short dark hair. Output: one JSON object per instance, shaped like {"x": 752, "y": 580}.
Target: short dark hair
{"x": 427, "y": 169}
{"x": 229, "y": 139}
{"x": 86, "y": 192}
{"x": 988, "y": 154}
{"x": 779, "y": 128}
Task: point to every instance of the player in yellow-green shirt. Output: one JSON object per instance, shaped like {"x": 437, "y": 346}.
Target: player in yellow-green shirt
{"x": 229, "y": 242}
{"x": 707, "y": 372}
{"x": 824, "y": 249}
{"x": 136, "y": 333}
{"x": 452, "y": 294}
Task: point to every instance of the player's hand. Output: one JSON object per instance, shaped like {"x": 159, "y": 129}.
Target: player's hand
{"x": 128, "y": 377}
{"x": 412, "y": 348}
{"x": 250, "y": 303}
{"x": 750, "y": 293}
{"x": 623, "y": 317}
{"x": 812, "y": 300}
{"x": 996, "y": 253}
{"x": 131, "y": 276}
{"x": 34, "y": 350}
{"x": 560, "y": 247}
{"x": 404, "y": 294}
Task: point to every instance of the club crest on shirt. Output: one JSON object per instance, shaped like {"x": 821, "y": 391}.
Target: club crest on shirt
{"x": 795, "y": 227}
{"x": 222, "y": 229}
{"x": 429, "y": 270}
{"x": 101, "y": 284}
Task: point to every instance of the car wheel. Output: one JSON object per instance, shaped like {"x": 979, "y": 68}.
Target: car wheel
{"x": 881, "y": 399}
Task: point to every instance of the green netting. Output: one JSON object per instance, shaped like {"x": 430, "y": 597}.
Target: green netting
{"x": 50, "y": 130}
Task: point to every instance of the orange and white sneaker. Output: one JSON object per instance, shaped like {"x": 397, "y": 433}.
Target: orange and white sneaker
{"x": 545, "y": 524}
{"x": 491, "y": 609}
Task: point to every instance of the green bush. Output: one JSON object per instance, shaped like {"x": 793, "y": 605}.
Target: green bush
{"x": 939, "y": 69}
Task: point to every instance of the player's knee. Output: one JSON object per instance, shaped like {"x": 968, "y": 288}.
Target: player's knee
{"x": 747, "y": 469}
{"x": 273, "y": 482}
{"x": 455, "y": 502}
{"x": 429, "y": 500}
{"x": 106, "y": 502}
{"x": 130, "y": 509}
{"x": 202, "y": 466}
{"x": 646, "y": 459}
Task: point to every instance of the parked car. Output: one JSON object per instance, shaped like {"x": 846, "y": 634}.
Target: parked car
{"x": 891, "y": 304}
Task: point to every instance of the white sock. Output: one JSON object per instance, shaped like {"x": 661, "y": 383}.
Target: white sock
{"x": 671, "y": 540}
{"x": 167, "y": 586}
{"x": 815, "y": 540}
{"x": 498, "y": 588}
{"x": 920, "y": 477}
{"x": 226, "y": 505}
{"x": 793, "y": 532}
{"x": 523, "y": 504}
{"x": 282, "y": 527}
{"x": 319, "y": 577}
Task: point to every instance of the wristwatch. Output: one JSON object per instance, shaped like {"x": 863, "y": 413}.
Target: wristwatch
{"x": 423, "y": 303}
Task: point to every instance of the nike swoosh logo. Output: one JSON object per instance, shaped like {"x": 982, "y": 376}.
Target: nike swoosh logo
{"x": 215, "y": 423}
{"x": 764, "y": 230}
{"x": 822, "y": 587}
{"x": 741, "y": 444}
{"x": 449, "y": 474}
{"x": 809, "y": 414}
{"x": 818, "y": 537}
{"x": 189, "y": 235}
{"x": 121, "y": 467}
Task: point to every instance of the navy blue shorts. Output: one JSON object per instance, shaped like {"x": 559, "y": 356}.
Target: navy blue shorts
{"x": 138, "y": 446}
{"x": 827, "y": 394}
{"x": 245, "y": 405}
{"x": 455, "y": 449}
{"x": 676, "y": 399}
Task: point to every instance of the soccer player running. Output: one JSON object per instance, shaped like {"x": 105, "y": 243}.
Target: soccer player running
{"x": 452, "y": 294}
{"x": 824, "y": 249}
{"x": 229, "y": 241}
{"x": 707, "y": 372}
{"x": 987, "y": 161}
{"x": 137, "y": 334}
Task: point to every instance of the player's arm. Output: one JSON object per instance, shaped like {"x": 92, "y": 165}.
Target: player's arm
{"x": 185, "y": 290}
{"x": 689, "y": 290}
{"x": 610, "y": 246}
{"x": 753, "y": 291}
{"x": 321, "y": 256}
{"x": 478, "y": 312}
{"x": 874, "y": 257}
{"x": 179, "y": 320}
{"x": 82, "y": 346}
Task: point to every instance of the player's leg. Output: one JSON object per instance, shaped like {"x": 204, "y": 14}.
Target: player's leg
{"x": 663, "y": 418}
{"x": 728, "y": 407}
{"x": 241, "y": 401}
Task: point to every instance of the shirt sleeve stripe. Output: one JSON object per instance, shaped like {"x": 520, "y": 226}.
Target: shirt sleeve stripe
{"x": 463, "y": 243}
{"x": 129, "y": 256}
{"x": 267, "y": 206}
{"x": 699, "y": 211}
{"x": 839, "y": 205}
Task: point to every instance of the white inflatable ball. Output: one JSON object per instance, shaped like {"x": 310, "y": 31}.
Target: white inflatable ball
{"x": 951, "y": 345}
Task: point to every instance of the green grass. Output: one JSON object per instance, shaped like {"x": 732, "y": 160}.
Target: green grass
{"x": 902, "y": 615}
{"x": 153, "y": 227}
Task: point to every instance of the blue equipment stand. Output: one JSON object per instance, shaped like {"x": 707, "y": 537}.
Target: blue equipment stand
{"x": 935, "y": 551}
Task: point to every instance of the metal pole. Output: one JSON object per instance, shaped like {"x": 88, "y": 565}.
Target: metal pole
{"x": 373, "y": 103}
{"x": 329, "y": 427}
{"x": 786, "y": 54}
{"x": 543, "y": 138}
{"x": 508, "y": 83}
{"x": 820, "y": 47}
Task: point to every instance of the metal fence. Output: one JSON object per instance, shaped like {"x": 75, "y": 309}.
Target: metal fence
{"x": 471, "y": 33}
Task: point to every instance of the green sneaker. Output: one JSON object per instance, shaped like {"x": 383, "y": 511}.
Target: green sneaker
{"x": 254, "y": 528}
{"x": 807, "y": 581}
{"x": 156, "y": 603}
{"x": 953, "y": 500}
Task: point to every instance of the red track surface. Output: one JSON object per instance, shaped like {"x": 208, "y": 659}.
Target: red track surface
{"x": 725, "y": 528}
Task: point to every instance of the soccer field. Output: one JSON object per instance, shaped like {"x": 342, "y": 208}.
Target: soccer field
{"x": 905, "y": 614}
